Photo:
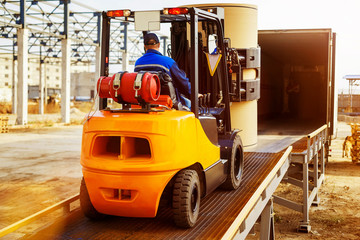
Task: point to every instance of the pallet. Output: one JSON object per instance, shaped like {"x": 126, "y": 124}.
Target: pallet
{"x": 355, "y": 142}
{"x": 4, "y": 124}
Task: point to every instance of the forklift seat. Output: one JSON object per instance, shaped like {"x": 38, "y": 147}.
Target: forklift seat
{"x": 208, "y": 122}
{"x": 167, "y": 88}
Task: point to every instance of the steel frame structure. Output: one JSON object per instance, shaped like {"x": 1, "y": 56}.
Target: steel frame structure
{"x": 50, "y": 21}
{"x": 312, "y": 153}
{"x": 57, "y": 29}
{"x": 352, "y": 87}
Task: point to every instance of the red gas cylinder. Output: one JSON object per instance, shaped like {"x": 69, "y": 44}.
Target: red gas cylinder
{"x": 103, "y": 87}
{"x": 130, "y": 87}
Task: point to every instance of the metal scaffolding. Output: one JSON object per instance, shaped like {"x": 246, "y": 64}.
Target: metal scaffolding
{"x": 353, "y": 84}
{"x": 48, "y": 24}
{"x": 50, "y": 29}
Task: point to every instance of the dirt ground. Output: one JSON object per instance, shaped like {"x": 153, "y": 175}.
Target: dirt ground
{"x": 39, "y": 166}
{"x": 338, "y": 215}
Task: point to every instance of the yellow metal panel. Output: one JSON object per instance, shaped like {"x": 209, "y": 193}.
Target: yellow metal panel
{"x": 177, "y": 141}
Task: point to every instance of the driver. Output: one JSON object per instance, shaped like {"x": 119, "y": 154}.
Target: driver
{"x": 153, "y": 60}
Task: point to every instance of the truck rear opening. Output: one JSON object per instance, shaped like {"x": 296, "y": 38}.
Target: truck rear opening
{"x": 296, "y": 80}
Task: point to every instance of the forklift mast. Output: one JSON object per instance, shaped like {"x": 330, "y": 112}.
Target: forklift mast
{"x": 188, "y": 53}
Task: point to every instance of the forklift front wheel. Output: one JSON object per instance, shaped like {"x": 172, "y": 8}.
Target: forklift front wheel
{"x": 236, "y": 165}
{"x": 86, "y": 205}
{"x": 186, "y": 198}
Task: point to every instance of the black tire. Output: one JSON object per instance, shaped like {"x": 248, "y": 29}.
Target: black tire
{"x": 86, "y": 205}
{"x": 236, "y": 165}
{"x": 186, "y": 198}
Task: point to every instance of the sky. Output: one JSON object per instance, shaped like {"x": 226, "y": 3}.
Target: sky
{"x": 341, "y": 16}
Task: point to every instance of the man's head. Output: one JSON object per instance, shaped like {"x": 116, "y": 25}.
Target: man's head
{"x": 151, "y": 41}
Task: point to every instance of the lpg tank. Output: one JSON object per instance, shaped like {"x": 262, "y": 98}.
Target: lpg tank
{"x": 240, "y": 22}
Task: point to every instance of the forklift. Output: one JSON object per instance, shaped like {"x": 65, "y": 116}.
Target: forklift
{"x": 151, "y": 152}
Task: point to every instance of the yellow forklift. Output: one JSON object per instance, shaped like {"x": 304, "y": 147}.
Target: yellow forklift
{"x": 150, "y": 151}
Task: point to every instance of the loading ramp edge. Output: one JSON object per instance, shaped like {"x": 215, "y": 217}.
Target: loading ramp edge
{"x": 245, "y": 221}
{"x": 65, "y": 205}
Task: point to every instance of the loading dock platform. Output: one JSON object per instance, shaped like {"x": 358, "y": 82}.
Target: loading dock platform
{"x": 224, "y": 215}
{"x": 223, "y": 212}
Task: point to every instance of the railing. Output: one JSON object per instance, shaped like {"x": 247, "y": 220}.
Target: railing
{"x": 315, "y": 154}
{"x": 65, "y": 205}
{"x": 315, "y": 141}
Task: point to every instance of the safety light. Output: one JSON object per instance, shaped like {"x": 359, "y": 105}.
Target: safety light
{"x": 118, "y": 13}
{"x": 175, "y": 11}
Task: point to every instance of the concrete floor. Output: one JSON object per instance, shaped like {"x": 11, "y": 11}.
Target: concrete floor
{"x": 46, "y": 153}
{"x": 38, "y": 168}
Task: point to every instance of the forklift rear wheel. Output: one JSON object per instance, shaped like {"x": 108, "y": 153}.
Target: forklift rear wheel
{"x": 186, "y": 198}
{"x": 86, "y": 205}
{"x": 236, "y": 162}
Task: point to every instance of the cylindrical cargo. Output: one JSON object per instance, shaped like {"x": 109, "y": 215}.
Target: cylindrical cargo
{"x": 240, "y": 22}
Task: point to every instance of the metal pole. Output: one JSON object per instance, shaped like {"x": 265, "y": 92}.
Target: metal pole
{"x": 350, "y": 94}
{"x": 14, "y": 82}
{"x": 98, "y": 14}
{"x": 66, "y": 18}
{"x": 267, "y": 222}
{"x": 164, "y": 44}
{"x": 97, "y": 58}
{"x": 22, "y": 13}
{"x": 45, "y": 85}
{"x": 104, "y": 62}
{"x": 305, "y": 225}
{"x": 194, "y": 63}
{"x": 125, "y": 56}
{"x": 22, "y": 88}
{"x": 317, "y": 184}
{"x": 41, "y": 86}
{"x": 125, "y": 31}
{"x": 65, "y": 63}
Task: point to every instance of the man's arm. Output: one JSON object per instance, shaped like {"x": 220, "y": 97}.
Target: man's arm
{"x": 181, "y": 81}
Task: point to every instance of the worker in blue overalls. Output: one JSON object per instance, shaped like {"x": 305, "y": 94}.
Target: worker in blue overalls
{"x": 153, "y": 60}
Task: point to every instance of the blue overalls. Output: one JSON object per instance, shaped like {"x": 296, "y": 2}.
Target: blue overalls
{"x": 153, "y": 60}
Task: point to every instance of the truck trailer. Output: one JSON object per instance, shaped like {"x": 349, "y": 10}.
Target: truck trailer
{"x": 298, "y": 90}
